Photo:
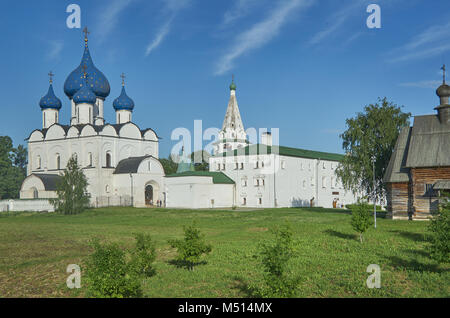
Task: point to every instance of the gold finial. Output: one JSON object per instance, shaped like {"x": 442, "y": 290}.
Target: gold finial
{"x": 443, "y": 69}
{"x": 123, "y": 79}
{"x": 50, "y": 75}
{"x": 86, "y": 32}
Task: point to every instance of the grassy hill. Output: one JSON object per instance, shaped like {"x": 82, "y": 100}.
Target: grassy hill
{"x": 35, "y": 249}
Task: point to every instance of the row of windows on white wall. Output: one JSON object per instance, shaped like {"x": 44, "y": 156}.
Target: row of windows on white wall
{"x": 261, "y": 164}
{"x": 89, "y": 160}
{"x": 244, "y": 201}
{"x": 257, "y": 182}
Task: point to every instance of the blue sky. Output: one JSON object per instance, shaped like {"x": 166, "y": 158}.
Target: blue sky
{"x": 302, "y": 66}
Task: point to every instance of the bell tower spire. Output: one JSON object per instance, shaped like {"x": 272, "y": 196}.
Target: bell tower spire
{"x": 232, "y": 135}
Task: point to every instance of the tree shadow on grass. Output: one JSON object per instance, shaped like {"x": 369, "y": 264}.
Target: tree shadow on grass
{"x": 341, "y": 235}
{"x": 184, "y": 264}
{"x": 414, "y": 265}
{"x": 416, "y": 237}
{"x": 241, "y": 285}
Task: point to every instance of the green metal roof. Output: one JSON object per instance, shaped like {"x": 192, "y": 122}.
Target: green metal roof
{"x": 218, "y": 177}
{"x": 259, "y": 149}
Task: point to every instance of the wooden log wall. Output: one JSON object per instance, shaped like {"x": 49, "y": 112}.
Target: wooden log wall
{"x": 398, "y": 200}
{"x": 424, "y": 205}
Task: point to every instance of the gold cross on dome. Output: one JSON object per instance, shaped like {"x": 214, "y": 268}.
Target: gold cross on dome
{"x": 123, "y": 79}
{"x": 50, "y": 75}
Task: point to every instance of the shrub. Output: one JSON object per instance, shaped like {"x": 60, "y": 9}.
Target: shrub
{"x": 143, "y": 256}
{"x": 275, "y": 256}
{"x": 361, "y": 218}
{"x": 109, "y": 275}
{"x": 439, "y": 233}
{"x": 191, "y": 248}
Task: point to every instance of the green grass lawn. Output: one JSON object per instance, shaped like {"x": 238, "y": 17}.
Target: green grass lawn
{"x": 35, "y": 249}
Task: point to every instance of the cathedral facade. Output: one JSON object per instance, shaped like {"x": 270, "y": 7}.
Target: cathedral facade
{"x": 120, "y": 160}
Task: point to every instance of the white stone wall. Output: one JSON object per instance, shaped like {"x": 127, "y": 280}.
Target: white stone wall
{"x": 26, "y": 205}
{"x": 198, "y": 193}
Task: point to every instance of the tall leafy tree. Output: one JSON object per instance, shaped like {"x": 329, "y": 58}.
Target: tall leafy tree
{"x": 373, "y": 132}
{"x": 170, "y": 166}
{"x": 12, "y": 168}
{"x": 72, "y": 196}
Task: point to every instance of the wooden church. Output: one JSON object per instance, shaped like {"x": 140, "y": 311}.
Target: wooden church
{"x": 419, "y": 168}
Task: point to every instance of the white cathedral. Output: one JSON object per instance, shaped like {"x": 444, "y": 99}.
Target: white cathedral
{"x": 121, "y": 162}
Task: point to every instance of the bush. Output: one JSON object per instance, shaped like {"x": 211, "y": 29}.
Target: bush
{"x": 109, "y": 275}
{"x": 191, "y": 248}
{"x": 361, "y": 218}
{"x": 143, "y": 256}
{"x": 275, "y": 256}
{"x": 439, "y": 234}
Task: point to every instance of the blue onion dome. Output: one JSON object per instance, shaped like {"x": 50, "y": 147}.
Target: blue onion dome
{"x": 123, "y": 102}
{"x": 96, "y": 80}
{"x": 50, "y": 100}
{"x": 85, "y": 94}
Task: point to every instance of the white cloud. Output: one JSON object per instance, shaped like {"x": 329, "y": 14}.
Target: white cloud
{"x": 172, "y": 7}
{"x": 55, "y": 48}
{"x": 260, "y": 33}
{"x": 240, "y": 9}
{"x": 163, "y": 31}
{"x": 429, "y": 43}
{"x": 336, "y": 20}
{"x": 108, "y": 19}
{"x": 422, "y": 84}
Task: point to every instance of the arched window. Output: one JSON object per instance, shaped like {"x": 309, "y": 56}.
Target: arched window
{"x": 90, "y": 159}
{"x": 35, "y": 193}
{"x": 108, "y": 160}
{"x": 58, "y": 161}
{"x": 38, "y": 162}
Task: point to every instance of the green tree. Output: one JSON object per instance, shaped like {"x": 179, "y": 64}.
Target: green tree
{"x": 201, "y": 160}
{"x": 439, "y": 232}
{"x": 12, "y": 168}
{"x": 143, "y": 256}
{"x": 191, "y": 248}
{"x": 275, "y": 256}
{"x": 21, "y": 158}
{"x": 170, "y": 166}
{"x": 361, "y": 218}
{"x": 371, "y": 133}
{"x": 71, "y": 190}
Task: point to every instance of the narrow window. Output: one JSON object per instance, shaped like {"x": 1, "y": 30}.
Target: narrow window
{"x": 242, "y": 166}
{"x": 58, "y": 162}
{"x": 38, "y": 162}
{"x": 90, "y": 159}
{"x": 260, "y": 201}
{"x": 108, "y": 160}
{"x": 244, "y": 201}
